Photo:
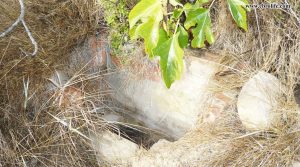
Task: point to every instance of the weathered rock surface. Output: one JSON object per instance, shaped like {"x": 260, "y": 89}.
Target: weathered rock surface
{"x": 173, "y": 111}
{"x": 185, "y": 152}
{"x": 257, "y": 101}
{"x": 296, "y": 164}
{"x": 91, "y": 57}
{"x": 113, "y": 148}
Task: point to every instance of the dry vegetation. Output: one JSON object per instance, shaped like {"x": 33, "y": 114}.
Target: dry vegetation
{"x": 45, "y": 128}
{"x": 272, "y": 44}
{"x": 41, "y": 126}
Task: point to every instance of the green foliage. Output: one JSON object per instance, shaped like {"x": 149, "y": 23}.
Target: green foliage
{"x": 171, "y": 62}
{"x": 166, "y": 35}
{"x": 116, "y": 15}
{"x": 149, "y": 13}
{"x": 238, "y": 11}
{"x": 144, "y": 10}
{"x": 199, "y": 17}
{"x": 183, "y": 37}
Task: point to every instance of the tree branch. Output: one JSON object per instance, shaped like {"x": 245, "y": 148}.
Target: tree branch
{"x": 14, "y": 25}
{"x": 8, "y": 30}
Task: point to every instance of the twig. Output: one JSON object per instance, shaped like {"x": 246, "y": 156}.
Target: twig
{"x": 26, "y": 91}
{"x": 211, "y": 4}
{"x": 68, "y": 124}
{"x": 21, "y": 19}
{"x": 31, "y": 38}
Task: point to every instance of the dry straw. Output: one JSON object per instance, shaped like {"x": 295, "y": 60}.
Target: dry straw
{"x": 38, "y": 126}
{"x": 45, "y": 128}
{"x": 272, "y": 45}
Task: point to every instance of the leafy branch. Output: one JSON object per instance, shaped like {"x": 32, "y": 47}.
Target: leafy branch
{"x": 166, "y": 34}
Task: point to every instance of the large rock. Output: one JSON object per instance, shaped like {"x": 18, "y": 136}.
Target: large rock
{"x": 190, "y": 150}
{"x": 174, "y": 110}
{"x": 112, "y": 148}
{"x": 257, "y": 101}
{"x": 296, "y": 164}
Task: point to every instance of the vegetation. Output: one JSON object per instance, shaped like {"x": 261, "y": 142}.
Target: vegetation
{"x": 166, "y": 34}
{"x": 38, "y": 129}
{"x": 115, "y": 16}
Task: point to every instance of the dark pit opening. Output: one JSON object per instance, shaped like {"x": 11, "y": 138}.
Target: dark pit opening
{"x": 142, "y": 136}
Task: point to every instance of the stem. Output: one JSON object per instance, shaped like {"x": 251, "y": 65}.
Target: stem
{"x": 31, "y": 38}
{"x": 177, "y": 24}
{"x": 211, "y": 4}
{"x": 20, "y": 18}
{"x": 165, "y": 17}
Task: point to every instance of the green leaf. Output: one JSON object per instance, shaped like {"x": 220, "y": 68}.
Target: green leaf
{"x": 183, "y": 37}
{"x": 198, "y": 4}
{"x": 177, "y": 13}
{"x": 171, "y": 60}
{"x": 201, "y": 19}
{"x": 238, "y": 11}
{"x": 145, "y": 9}
{"x": 132, "y": 33}
{"x": 149, "y": 31}
{"x": 188, "y": 6}
{"x": 175, "y": 3}
{"x": 163, "y": 37}
{"x": 193, "y": 17}
{"x": 150, "y": 13}
{"x": 202, "y": 1}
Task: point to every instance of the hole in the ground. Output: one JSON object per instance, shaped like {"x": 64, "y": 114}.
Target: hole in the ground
{"x": 132, "y": 128}
{"x": 142, "y": 136}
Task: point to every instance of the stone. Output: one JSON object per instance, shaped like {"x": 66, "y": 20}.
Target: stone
{"x": 296, "y": 164}
{"x": 257, "y": 101}
{"x": 113, "y": 148}
{"x": 187, "y": 151}
{"x": 219, "y": 102}
{"x": 172, "y": 111}
{"x": 90, "y": 57}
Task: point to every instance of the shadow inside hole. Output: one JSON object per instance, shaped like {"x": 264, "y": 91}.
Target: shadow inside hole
{"x": 297, "y": 94}
{"x": 143, "y": 137}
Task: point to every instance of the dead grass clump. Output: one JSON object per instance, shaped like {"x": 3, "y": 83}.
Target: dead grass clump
{"x": 272, "y": 44}
{"x": 54, "y": 126}
{"x": 240, "y": 147}
{"x": 57, "y": 26}
{"x": 40, "y": 126}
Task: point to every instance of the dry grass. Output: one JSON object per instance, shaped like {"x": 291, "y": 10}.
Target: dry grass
{"x": 242, "y": 57}
{"x": 274, "y": 48}
{"x": 51, "y": 127}
{"x": 39, "y": 127}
